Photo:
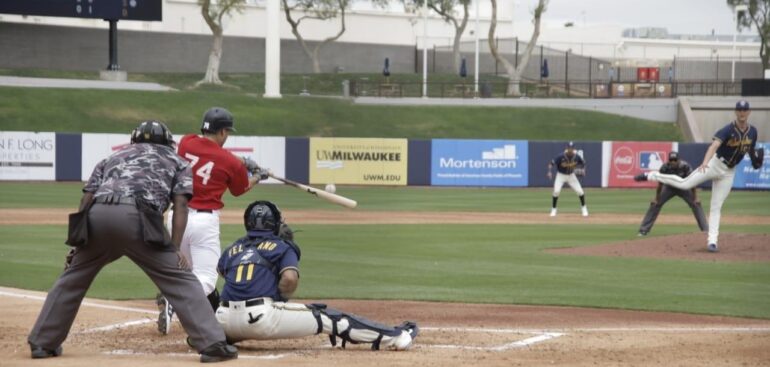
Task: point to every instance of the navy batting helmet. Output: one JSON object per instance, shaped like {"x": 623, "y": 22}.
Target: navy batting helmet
{"x": 262, "y": 215}
{"x": 152, "y": 131}
{"x": 215, "y": 119}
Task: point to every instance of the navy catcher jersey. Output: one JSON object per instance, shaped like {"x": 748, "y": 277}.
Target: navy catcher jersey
{"x": 735, "y": 144}
{"x": 252, "y": 266}
{"x": 682, "y": 170}
{"x": 567, "y": 165}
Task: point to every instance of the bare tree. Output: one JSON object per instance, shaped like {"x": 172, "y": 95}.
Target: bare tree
{"x": 447, "y": 10}
{"x": 318, "y": 10}
{"x": 514, "y": 73}
{"x": 213, "y": 11}
{"x": 758, "y": 16}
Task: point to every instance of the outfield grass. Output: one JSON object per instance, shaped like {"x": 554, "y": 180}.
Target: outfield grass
{"x": 535, "y": 200}
{"x": 465, "y": 263}
{"x": 67, "y": 110}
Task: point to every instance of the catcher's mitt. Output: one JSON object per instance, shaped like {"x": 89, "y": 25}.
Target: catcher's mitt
{"x": 580, "y": 171}
{"x": 757, "y": 157}
{"x": 287, "y": 235}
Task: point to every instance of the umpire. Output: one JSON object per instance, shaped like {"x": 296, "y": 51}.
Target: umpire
{"x": 124, "y": 200}
{"x": 664, "y": 193}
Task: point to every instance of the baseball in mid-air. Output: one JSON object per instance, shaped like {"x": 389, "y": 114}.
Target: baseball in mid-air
{"x": 330, "y": 188}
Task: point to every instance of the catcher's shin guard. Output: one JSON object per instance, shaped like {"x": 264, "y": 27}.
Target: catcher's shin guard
{"x": 213, "y": 298}
{"x": 356, "y": 329}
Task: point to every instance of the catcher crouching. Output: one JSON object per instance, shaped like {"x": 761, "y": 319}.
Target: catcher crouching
{"x": 261, "y": 272}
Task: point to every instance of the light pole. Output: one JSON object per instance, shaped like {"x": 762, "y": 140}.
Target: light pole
{"x": 738, "y": 9}
{"x": 425, "y": 49}
{"x": 476, "y": 62}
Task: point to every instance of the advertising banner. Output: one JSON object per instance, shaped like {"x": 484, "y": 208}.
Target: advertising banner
{"x": 268, "y": 152}
{"x": 358, "y": 161}
{"x": 628, "y": 159}
{"x": 479, "y": 162}
{"x": 746, "y": 177}
{"x": 542, "y": 152}
{"x": 27, "y": 156}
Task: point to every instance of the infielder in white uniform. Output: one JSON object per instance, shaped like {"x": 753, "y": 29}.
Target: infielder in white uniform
{"x": 261, "y": 272}
{"x": 730, "y": 144}
{"x": 568, "y": 165}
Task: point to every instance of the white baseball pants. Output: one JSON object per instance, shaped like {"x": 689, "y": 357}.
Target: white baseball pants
{"x": 200, "y": 246}
{"x": 283, "y": 320}
{"x": 721, "y": 178}
{"x": 570, "y": 180}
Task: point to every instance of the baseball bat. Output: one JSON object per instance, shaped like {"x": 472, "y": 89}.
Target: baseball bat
{"x": 332, "y": 198}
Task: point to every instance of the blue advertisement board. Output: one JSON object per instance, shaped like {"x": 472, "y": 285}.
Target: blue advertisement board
{"x": 746, "y": 177}
{"x": 542, "y": 152}
{"x": 479, "y": 162}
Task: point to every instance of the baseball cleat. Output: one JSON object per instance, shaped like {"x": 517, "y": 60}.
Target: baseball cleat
{"x": 642, "y": 234}
{"x": 712, "y": 247}
{"x": 640, "y": 177}
{"x": 166, "y": 313}
{"x": 553, "y": 212}
{"x": 408, "y": 334}
{"x": 584, "y": 211}
{"x": 219, "y": 352}
{"x": 40, "y": 352}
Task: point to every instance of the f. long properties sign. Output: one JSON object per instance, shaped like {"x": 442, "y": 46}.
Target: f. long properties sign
{"x": 27, "y": 156}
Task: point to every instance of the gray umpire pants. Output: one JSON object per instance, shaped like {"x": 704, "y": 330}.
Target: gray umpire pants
{"x": 114, "y": 231}
{"x": 666, "y": 193}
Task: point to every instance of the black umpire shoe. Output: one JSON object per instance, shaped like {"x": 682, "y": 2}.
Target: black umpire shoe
{"x": 40, "y": 352}
{"x": 640, "y": 177}
{"x": 219, "y": 352}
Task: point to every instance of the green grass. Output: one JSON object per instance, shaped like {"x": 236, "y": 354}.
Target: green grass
{"x": 535, "y": 200}
{"x": 66, "y": 110}
{"x": 466, "y": 263}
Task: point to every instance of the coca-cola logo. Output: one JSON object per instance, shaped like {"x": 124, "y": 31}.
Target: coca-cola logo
{"x": 623, "y": 160}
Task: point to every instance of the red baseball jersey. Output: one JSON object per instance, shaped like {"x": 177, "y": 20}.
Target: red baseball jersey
{"x": 214, "y": 170}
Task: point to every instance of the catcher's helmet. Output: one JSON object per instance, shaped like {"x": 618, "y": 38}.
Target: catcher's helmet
{"x": 673, "y": 156}
{"x": 262, "y": 216}
{"x": 215, "y": 119}
{"x": 152, "y": 132}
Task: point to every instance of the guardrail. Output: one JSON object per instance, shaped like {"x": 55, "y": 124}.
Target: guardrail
{"x": 548, "y": 89}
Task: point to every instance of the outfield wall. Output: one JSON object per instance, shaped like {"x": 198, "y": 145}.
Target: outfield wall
{"x": 47, "y": 156}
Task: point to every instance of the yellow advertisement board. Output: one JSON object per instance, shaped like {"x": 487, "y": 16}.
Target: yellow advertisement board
{"x": 358, "y": 161}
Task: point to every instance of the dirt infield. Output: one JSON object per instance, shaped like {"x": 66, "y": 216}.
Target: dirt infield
{"x": 123, "y": 333}
{"x": 688, "y": 246}
{"x": 59, "y": 216}
{"x": 452, "y": 335}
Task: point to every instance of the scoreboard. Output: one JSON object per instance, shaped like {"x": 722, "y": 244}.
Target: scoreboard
{"x": 147, "y": 10}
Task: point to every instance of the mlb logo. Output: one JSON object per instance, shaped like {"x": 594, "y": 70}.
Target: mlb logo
{"x": 650, "y": 160}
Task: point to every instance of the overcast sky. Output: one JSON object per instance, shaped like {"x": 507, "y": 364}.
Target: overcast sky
{"x": 678, "y": 16}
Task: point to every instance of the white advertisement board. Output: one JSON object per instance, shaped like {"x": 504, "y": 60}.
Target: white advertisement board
{"x": 27, "y": 156}
{"x": 268, "y": 152}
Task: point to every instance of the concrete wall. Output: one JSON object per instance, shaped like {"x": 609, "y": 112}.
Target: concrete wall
{"x": 661, "y": 110}
{"x": 712, "y": 113}
{"x": 71, "y": 48}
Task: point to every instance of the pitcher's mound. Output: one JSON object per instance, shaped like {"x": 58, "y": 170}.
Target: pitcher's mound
{"x": 690, "y": 246}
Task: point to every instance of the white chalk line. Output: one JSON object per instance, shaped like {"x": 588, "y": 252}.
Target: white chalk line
{"x": 86, "y": 303}
{"x": 128, "y": 352}
{"x": 117, "y": 326}
{"x": 726, "y": 329}
{"x": 501, "y": 348}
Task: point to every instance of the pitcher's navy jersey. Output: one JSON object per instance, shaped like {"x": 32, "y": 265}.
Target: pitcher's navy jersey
{"x": 735, "y": 144}
{"x": 567, "y": 165}
{"x": 252, "y": 266}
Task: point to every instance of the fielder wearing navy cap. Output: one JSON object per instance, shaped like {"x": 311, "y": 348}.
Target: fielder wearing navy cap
{"x": 673, "y": 156}
{"x": 742, "y": 105}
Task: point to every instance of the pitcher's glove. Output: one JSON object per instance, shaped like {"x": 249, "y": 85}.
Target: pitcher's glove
{"x": 287, "y": 235}
{"x": 757, "y": 157}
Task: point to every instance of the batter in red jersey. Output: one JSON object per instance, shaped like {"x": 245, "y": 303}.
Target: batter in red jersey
{"x": 214, "y": 171}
